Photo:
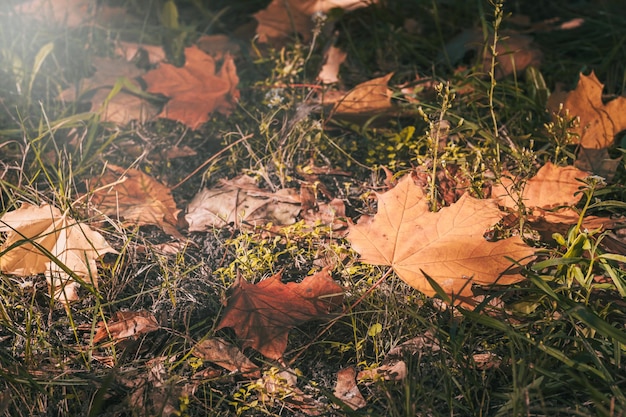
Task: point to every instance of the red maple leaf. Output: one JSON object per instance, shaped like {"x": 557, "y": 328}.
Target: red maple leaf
{"x": 263, "y": 314}
{"x": 196, "y": 89}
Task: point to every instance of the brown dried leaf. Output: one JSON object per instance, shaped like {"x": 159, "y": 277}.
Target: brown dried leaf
{"x": 37, "y": 235}
{"x": 240, "y": 201}
{"x": 548, "y": 198}
{"x": 597, "y": 161}
{"x": 346, "y": 389}
{"x": 222, "y": 353}
{"x": 196, "y": 89}
{"x": 332, "y": 214}
{"x": 367, "y": 99}
{"x": 428, "y": 342}
{"x": 599, "y": 122}
{"x": 124, "y": 325}
{"x": 284, "y": 18}
{"x": 136, "y": 197}
{"x": 552, "y": 186}
{"x": 448, "y": 245}
{"x": 263, "y": 314}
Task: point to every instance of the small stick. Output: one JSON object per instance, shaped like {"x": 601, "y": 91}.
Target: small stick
{"x": 208, "y": 161}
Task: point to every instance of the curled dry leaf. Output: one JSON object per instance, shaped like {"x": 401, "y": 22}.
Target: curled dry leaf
{"x": 346, "y": 389}
{"x": 218, "y": 45}
{"x": 597, "y": 161}
{"x": 222, "y": 353}
{"x": 239, "y": 201}
{"x": 197, "y": 89}
{"x": 367, "y": 99}
{"x": 447, "y": 245}
{"x": 44, "y": 240}
{"x": 599, "y": 123}
{"x": 263, "y": 314}
{"x": 136, "y": 197}
{"x": 124, "y": 325}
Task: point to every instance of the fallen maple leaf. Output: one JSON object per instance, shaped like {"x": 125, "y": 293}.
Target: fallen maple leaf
{"x": 263, "y": 314}
{"x": 196, "y": 89}
{"x": 367, "y": 99}
{"x": 240, "y": 201}
{"x": 41, "y": 239}
{"x": 599, "y": 122}
{"x": 122, "y": 107}
{"x": 548, "y": 198}
{"x": 124, "y": 325}
{"x": 283, "y": 18}
{"x": 447, "y": 245}
{"x": 551, "y": 187}
{"x": 136, "y": 197}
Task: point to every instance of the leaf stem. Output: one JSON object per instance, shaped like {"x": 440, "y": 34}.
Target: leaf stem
{"x": 212, "y": 158}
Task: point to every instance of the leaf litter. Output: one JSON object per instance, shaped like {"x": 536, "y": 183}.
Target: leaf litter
{"x": 447, "y": 246}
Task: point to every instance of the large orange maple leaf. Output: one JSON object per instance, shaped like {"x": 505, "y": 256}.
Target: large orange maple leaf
{"x": 196, "y": 89}
{"x": 263, "y": 314}
{"x": 599, "y": 122}
{"x": 136, "y": 197}
{"x": 448, "y": 245}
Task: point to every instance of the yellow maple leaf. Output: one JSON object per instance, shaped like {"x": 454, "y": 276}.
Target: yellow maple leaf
{"x": 448, "y": 245}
